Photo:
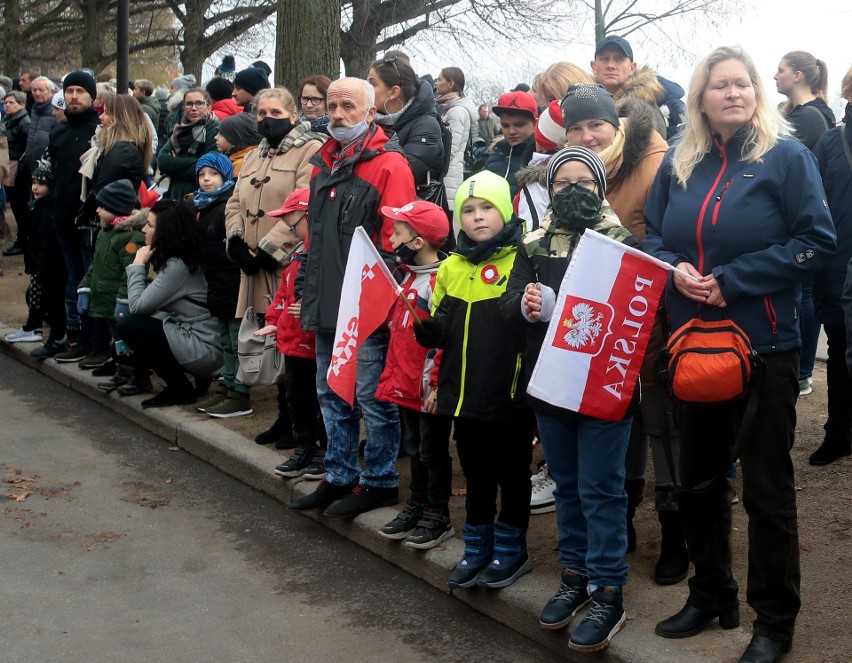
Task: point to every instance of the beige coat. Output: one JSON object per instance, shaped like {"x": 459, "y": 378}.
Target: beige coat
{"x": 287, "y": 169}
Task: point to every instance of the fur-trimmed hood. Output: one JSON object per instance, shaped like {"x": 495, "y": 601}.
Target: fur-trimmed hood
{"x": 136, "y": 221}
{"x": 535, "y": 172}
{"x": 644, "y": 85}
{"x": 640, "y": 132}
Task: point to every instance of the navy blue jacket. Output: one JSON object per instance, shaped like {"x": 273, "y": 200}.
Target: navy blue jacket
{"x": 760, "y": 228}
{"x": 507, "y": 160}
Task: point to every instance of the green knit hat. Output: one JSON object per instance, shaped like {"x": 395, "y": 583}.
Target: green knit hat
{"x": 488, "y": 186}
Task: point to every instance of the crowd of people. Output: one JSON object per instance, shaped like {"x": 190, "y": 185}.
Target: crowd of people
{"x": 154, "y": 224}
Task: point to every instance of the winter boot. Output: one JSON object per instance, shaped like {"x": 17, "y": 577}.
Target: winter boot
{"x": 635, "y": 496}
{"x": 673, "y": 565}
{"x": 510, "y": 560}
{"x": 120, "y": 378}
{"x": 832, "y": 449}
{"x": 478, "y": 551}
{"x": 139, "y": 383}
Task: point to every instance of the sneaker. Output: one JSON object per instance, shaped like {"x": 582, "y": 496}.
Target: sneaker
{"x": 404, "y": 522}
{"x": 361, "y": 499}
{"x": 25, "y": 336}
{"x": 48, "y": 350}
{"x": 73, "y": 354}
{"x": 235, "y": 405}
{"x": 297, "y": 463}
{"x": 605, "y": 618}
{"x": 571, "y": 596}
{"x": 219, "y": 394}
{"x": 325, "y": 494}
{"x": 93, "y": 360}
{"x": 432, "y": 530}
{"x": 806, "y": 386}
{"x": 138, "y": 383}
{"x": 316, "y": 468}
{"x": 543, "y": 485}
{"x": 735, "y": 499}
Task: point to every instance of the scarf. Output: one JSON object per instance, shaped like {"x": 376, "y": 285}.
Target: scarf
{"x": 190, "y": 138}
{"x": 203, "y": 199}
{"x": 319, "y": 125}
{"x": 611, "y": 156}
{"x": 88, "y": 162}
{"x": 476, "y": 253}
{"x": 390, "y": 119}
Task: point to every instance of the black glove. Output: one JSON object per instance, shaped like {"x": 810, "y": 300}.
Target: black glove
{"x": 265, "y": 261}
{"x": 240, "y": 254}
{"x": 429, "y": 332}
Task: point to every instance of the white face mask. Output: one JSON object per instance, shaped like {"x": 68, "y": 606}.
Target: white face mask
{"x": 347, "y": 135}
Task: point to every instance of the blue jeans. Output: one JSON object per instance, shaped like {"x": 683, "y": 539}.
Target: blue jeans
{"x": 76, "y": 268}
{"x": 585, "y": 457}
{"x": 342, "y": 423}
{"x": 809, "y": 328}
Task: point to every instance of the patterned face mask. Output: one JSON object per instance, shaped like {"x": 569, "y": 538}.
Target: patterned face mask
{"x": 575, "y": 208}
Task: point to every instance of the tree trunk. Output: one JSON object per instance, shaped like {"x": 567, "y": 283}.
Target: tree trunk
{"x": 94, "y": 19}
{"x": 11, "y": 37}
{"x": 599, "y": 21}
{"x": 358, "y": 44}
{"x": 307, "y": 41}
{"x": 192, "y": 54}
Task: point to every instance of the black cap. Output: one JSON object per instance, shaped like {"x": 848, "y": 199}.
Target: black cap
{"x": 118, "y": 197}
{"x": 520, "y": 87}
{"x": 252, "y": 80}
{"x": 619, "y": 42}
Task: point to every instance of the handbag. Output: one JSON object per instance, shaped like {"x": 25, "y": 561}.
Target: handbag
{"x": 260, "y": 362}
{"x": 433, "y": 191}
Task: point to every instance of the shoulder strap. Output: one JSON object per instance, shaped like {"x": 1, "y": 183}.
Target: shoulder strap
{"x": 846, "y": 149}
{"x": 821, "y": 116}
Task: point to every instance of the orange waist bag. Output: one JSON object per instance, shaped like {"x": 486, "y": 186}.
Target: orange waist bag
{"x": 709, "y": 362}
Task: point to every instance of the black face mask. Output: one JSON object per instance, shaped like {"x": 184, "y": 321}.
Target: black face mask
{"x": 405, "y": 254}
{"x": 274, "y": 129}
{"x": 575, "y": 208}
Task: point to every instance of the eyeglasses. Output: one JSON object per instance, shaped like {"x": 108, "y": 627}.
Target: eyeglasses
{"x": 311, "y": 101}
{"x": 293, "y": 227}
{"x": 558, "y": 185}
{"x": 194, "y": 104}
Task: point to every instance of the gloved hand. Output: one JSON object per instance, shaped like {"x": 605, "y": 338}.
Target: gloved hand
{"x": 240, "y": 254}
{"x": 83, "y": 301}
{"x": 265, "y": 261}
{"x": 429, "y": 332}
{"x": 122, "y": 310}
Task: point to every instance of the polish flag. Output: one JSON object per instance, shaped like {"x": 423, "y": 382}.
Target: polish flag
{"x": 596, "y": 340}
{"x": 369, "y": 291}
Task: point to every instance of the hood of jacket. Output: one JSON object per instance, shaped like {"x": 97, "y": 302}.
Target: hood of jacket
{"x": 535, "y": 172}
{"x": 136, "y": 220}
{"x": 176, "y": 100}
{"x": 226, "y": 107}
{"x": 644, "y": 85}
{"x": 640, "y": 133}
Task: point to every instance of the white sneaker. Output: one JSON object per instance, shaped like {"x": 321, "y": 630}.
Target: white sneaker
{"x": 542, "y": 500}
{"x": 806, "y": 385}
{"x": 24, "y": 336}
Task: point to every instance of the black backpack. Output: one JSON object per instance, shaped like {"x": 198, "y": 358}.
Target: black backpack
{"x": 447, "y": 140}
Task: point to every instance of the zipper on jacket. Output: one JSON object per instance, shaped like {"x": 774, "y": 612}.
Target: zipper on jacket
{"x": 463, "y": 359}
{"x": 724, "y": 154}
{"x": 770, "y": 313}
{"x": 509, "y": 162}
{"x": 719, "y": 200}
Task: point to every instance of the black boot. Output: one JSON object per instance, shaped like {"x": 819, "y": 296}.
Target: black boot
{"x": 635, "y": 496}
{"x": 139, "y": 383}
{"x": 673, "y": 565}
{"x": 830, "y": 450}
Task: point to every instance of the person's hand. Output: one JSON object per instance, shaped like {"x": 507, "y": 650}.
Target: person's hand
{"x": 714, "y": 297}
{"x": 429, "y": 332}
{"x": 122, "y": 310}
{"x": 143, "y": 255}
{"x": 532, "y": 301}
{"x": 694, "y": 288}
{"x": 295, "y": 309}
{"x": 83, "y": 301}
{"x": 239, "y": 252}
{"x": 269, "y": 330}
{"x": 431, "y": 404}
{"x": 265, "y": 261}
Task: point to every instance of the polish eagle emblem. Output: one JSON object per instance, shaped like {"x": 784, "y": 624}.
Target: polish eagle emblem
{"x": 584, "y": 326}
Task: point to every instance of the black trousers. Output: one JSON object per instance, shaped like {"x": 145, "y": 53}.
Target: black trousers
{"x": 838, "y": 426}
{"x": 426, "y": 438}
{"x": 18, "y": 197}
{"x": 496, "y": 455}
{"x": 297, "y": 401}
{"x": 769, "y": 496}
{"x": 147, "y": 338}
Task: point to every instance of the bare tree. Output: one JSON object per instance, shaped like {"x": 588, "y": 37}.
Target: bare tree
{"x": 306, "y": 51}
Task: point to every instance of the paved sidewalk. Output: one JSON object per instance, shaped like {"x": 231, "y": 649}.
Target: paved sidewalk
{"x": 517, "y": 607}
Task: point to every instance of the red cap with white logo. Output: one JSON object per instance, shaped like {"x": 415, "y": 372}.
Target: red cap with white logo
{"x": 427, "y": 219}
{"x": 296, "y": 202}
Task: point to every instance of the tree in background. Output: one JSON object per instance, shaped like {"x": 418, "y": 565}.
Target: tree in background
{"x": 315, "y": 49}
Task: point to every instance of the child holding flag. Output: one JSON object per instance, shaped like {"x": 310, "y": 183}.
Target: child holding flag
{"x": 585, "y": 455}
{"x": 420, "y": 229}
{"x": 476, "y": 384}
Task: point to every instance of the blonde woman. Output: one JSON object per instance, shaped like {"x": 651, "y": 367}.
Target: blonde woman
{"x": 739, "y": 205}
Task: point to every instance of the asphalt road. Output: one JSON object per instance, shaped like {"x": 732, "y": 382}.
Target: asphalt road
{"x": 114, "y": 547}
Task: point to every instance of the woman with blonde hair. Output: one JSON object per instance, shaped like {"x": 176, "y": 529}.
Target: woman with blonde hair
{"x": 739, "y": 206}
{"x": 552, "y": 84}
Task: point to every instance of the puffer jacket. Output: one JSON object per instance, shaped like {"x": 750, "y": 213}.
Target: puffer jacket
{"x": 346, "y": 192}
{"x": 17, "y": 131}
{"x": 115, "y": 248}
{"x": 222, "y": 273}
{"x": 266, "y": 178}
{"x": 410, "y": 373}
{"x": 759, "y": 228}
{"x": 419, "y": 134}
{"x": 461, "y": 116}
{"x": 507, "y": 160}
{"x": 290, "y": 339}
{"x": 225, "y": 108}
{"x": 532, "y": 200}
{"x": 41, "y": 124}
{"x": 644, "y": 85}
{"x": 151, "y": 108}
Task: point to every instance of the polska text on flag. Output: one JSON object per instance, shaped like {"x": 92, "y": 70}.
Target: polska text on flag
{"x": 596, "y": 340}
{"x": 367, "y": 295}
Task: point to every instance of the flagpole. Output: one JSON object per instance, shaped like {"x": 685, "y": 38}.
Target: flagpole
{"x": 411, "y": 310}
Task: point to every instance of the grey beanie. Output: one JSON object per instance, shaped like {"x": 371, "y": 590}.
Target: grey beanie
{"x": 240, "y": 130}
{"x": 588, "y": 102}
{"x": 582, "y": 154}
{"x": 184, "y": 82}
{"x": 118, "y": 197}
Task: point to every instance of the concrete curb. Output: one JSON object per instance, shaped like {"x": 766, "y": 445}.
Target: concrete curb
{"x": 516, "y": 607}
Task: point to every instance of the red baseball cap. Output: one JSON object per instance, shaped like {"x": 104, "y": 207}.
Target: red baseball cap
{"x": 296, "y": 202}
{"x": 516, "y": 102}
{"x": 427, "y": 219}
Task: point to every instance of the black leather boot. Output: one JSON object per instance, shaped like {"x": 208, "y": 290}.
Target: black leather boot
{"x": 673, "y": 564}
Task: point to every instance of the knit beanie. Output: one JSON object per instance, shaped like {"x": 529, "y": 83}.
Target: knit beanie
{"x": 240, "y": 130}
{"x": 260, "y": 64}
{"x": 488, "y": 186}
{"x": 583, "y": 155}
{"x": 228, "y": 66}
{"x": 43, "y": 172}
{"x": 59, "y": 100}
{"x": 252, "y": 80}
{"x": 550, "y": 128}
{"x": 184, "y": 82}
{"x": 219, "y": 88}
{"x": 83, "y": 80}
{"x": 588, "y": 102}
{"x": 118, "y": 197}
{"x": 218, "y": 162}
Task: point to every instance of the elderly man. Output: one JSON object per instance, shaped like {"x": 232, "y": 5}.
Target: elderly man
{"x": 358, "y": 172}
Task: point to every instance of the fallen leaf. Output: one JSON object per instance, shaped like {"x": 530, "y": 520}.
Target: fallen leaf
{"x": 174, "y": 448}
{"x": 21, "y": 495}
{"x": 168, "y": 480}
{"x": 458, "y": 492}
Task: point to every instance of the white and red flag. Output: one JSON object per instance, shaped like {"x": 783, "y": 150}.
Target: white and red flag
{"x": 597, "y": 337}
{"x": 369, "y": 291}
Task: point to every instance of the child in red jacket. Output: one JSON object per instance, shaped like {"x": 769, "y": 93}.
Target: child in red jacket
{"x": 411, "y": 375}
{"x": 299, "y": 388}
